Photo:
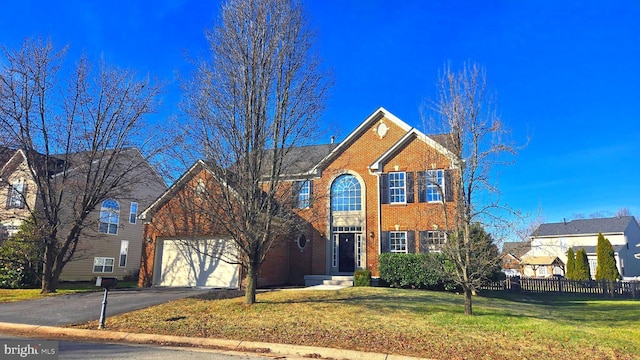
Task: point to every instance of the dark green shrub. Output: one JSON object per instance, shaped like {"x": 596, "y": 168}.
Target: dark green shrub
{"x": 418, "y": 271}
{"x": 571, "y": 265}
{"x": 21, "y": 258}
{"x": 362, "y": 278}
{"x": 606, "y": 269}
{"x": 582, "y": 271}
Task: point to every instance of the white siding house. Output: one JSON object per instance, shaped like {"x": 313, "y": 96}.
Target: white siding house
{"x": 555, "y": 239}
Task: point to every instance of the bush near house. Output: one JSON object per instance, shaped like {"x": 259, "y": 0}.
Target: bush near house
{"x": 21, "y": 258}
{"x": 417, "y": 271}
{"x": 606, "y": 269}
{"x": 362, "y": 278}
{"x": 570, "y": 272}
{"x": 582, "y": 271}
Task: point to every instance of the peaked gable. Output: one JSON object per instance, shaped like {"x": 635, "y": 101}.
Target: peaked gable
{"x": 404, "y": 141}
{"x": 353, "y": 136}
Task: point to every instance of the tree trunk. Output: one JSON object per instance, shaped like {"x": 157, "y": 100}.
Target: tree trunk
{"x": 252, "y": 280}
{"x": 468, "y": 309}
{"x": 49, "y": 280}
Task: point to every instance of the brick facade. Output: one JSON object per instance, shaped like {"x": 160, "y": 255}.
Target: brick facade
{"x": 380, "y": 145}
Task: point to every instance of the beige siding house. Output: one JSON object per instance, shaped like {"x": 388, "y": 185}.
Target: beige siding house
{"x": 111, "y": 242}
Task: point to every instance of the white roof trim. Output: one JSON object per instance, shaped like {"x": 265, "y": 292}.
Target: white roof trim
{"x": 377, "y": 165}
{"x": 349, "y": 139}
{"x": 172, "y": 188}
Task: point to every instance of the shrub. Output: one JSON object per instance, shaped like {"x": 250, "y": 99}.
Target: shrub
{"x": 571, "y": 265}
{"x": 606, "y": 269}
{"x": 21, "y": 258}
{"x": 582, "y": 271}
{"x": 362, "y": 278}
{"x": 423, "y": 271}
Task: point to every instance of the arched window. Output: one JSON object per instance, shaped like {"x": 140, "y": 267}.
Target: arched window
{"x": 109, "y": 217}
{"x": 346, "y": 194}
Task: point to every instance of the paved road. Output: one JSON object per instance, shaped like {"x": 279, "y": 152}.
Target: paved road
{"x": 79, "y": 308}
{"x": 81, "y": 350}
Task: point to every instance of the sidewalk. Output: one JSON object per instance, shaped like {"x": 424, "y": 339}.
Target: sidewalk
{"x": 252, "y": 347}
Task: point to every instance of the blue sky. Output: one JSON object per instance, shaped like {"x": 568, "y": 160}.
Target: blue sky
{"x": 565, "y": 72}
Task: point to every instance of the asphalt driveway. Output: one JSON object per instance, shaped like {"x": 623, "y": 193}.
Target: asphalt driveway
{"x": 79, "y": 308}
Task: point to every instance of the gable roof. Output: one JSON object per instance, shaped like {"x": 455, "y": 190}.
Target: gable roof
{"x": 439, "y": 142}
{"x": 542, "y": 260}
{"x": 408, "y": 137}
{"x": 516, "y": 248}
{"x": 174, "y": 188}
{"x": 585, "y": 227}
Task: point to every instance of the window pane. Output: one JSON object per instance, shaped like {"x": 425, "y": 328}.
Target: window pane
{"x": 397, "y": 187}
{"x": 435, "y": 185}
{"x": 346, "y": 194}
{"x": 303, "y": 195}
{"x": 109, "y": 217}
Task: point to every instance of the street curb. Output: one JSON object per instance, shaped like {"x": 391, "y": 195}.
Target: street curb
{"x": 58, "y": 333}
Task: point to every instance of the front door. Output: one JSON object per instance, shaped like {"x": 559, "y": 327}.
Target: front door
{"x": 346, "y": 251}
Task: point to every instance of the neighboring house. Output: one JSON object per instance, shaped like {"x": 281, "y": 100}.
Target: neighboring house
{"x": 555, "y": 239}
{"x": 543, "y": 266}
{"x": 110, "y": 244}
{"x": 382, "y": 189}
{"x": 512, "y": 253}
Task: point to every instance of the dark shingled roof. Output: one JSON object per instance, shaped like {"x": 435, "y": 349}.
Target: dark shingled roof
{"x": 585, "y": 226}
{"x": 516, "y": 248}
{"x": 5, "y": 155}
{"x": 303, "y": 158}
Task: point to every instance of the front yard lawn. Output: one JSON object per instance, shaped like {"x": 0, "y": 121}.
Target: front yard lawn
{"x": 407, "y": 322}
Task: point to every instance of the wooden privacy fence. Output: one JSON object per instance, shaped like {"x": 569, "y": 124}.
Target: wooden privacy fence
{"x": 626, "y": 289}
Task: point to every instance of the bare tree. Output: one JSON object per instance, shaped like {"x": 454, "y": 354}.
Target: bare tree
{"x": 466, "y": 114}
{"x": 76, "y": 130}
{"x": 258, "y": 96}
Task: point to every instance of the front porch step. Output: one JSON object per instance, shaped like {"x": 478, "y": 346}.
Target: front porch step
{"x": 342, "y": 280}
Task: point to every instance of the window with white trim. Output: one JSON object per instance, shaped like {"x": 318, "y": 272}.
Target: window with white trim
{"x": 593, "y": 265}
{"x": 436, "y": 240}
{"x": 201, "y": 190}
{"x": 15, "y": 197}
{"x": 397, "y": 188}
{"x": 103, "y": 264}
{"x": 435, "y": 185}
{"x": 397, "y": 241}
{"x": 109, "y": 217}
{"x": 124, "y": 252}
{"x": 304, "y": 194}
{"x": 542, "y": 271}
{"x": 133, "y": 213}
{"x": 301, "y": 241}
{"x": 346, "y": 194}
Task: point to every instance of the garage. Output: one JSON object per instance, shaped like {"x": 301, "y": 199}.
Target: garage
{"x": 196, "y": 262}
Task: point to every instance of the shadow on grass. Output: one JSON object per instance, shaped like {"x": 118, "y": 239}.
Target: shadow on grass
{"x": 571, "y": 308}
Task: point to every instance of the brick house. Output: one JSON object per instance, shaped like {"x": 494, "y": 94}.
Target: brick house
{"x": 110, "y": 244}
{"x": 382, "y": 189}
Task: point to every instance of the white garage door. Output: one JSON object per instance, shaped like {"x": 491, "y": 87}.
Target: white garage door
{"x": 198, "y": 263}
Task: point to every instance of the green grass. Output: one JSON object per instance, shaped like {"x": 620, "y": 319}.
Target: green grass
{"x": 408, "y": 322}
{"x": 9, "y": 295}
